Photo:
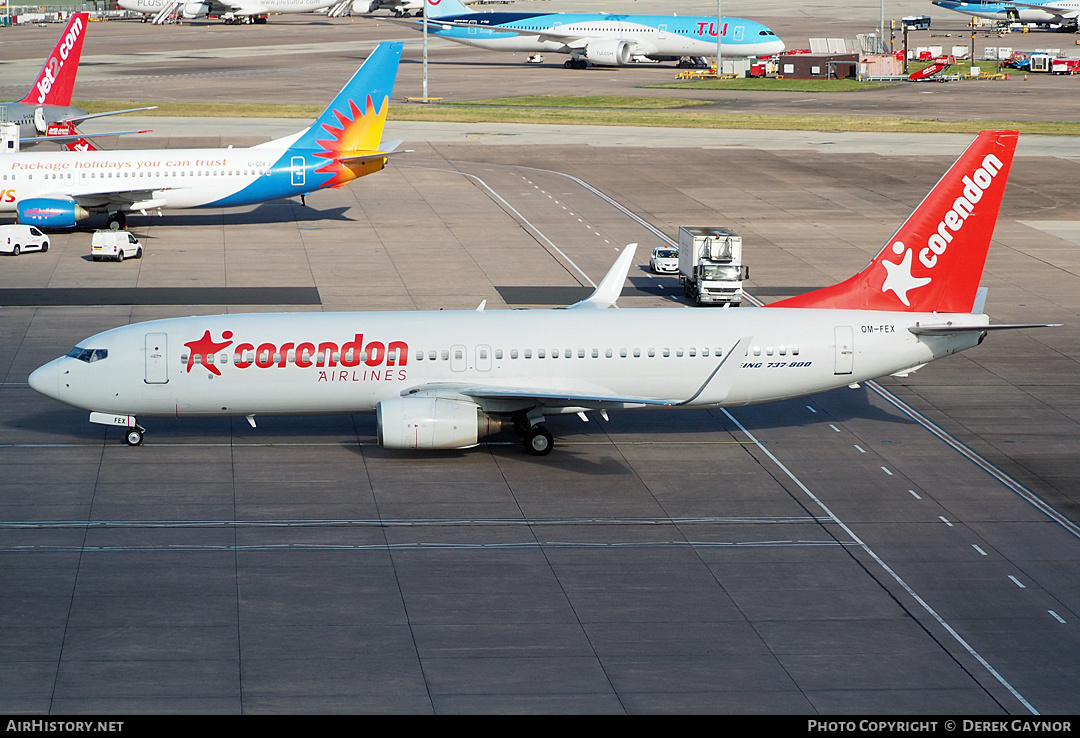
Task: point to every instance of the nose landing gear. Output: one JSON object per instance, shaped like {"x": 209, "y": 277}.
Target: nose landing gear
{"x": 133, "y": 433}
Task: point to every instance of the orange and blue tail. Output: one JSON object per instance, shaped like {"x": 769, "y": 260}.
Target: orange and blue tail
{"x": 935, "y": 261}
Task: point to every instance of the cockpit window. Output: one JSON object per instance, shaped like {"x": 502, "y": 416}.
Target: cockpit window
{"x": 766, "y": 33}
{"x": 88, "y": 355}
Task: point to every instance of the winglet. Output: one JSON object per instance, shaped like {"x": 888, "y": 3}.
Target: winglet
{"x": 611, "y": 286}
{"x": 56, "y": 81}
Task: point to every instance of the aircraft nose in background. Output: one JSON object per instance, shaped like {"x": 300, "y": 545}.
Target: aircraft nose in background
{"x": 46, "y": 380}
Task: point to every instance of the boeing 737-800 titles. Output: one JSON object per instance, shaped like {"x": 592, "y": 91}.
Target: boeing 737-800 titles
{"x": 56, "y": 189}
{"x": 599, "y": 39}
{"x": 446, "y": 379}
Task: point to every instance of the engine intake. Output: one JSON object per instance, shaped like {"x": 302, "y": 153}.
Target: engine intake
{"x": 46, "y": 212}
{"x": 431, "y": 423}
{"x": 608, "y": 53}
{"x": 196, "y": 9}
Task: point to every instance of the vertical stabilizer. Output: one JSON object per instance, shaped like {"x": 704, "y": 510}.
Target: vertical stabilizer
{"x": 934, "y": 262}
{"x": 354, "y": 120}
{"x": 445, "y": 8}
{"x": 56, "y": 82}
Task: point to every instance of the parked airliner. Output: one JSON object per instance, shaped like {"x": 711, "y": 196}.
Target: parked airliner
{"x": 442, "y": 380}
{"x": 599, "y": 39}
{"x": 46, "y": 114}
{"x": 1064, "y": 12}
{"x": 56, "y": 189}
{"x": 230, "y": 11}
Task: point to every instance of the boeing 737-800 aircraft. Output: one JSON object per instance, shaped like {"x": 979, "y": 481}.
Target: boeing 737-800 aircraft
{"x": 1064, "y": 12}
{"x": 440, "y": 380}
{"x": 599, "y": 39}
{"x": 56, "y": 189}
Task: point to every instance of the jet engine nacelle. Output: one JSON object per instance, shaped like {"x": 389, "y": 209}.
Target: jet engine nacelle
{"x": 430, "y": 422}
{"x": 608, "y": 53}
{"x": 196, "y": 10}
{"x": 45, "y": 212}
{"x": 360, "y": 7}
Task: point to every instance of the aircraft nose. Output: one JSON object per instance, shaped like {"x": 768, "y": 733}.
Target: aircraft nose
{"x": 46, "y": 380}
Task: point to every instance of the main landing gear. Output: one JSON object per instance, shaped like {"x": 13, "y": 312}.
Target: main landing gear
{"x": 536, "y": 439}
{"x": 117, "y": 221}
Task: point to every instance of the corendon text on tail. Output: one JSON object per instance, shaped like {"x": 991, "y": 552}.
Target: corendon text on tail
{"x": 447, "y": 379}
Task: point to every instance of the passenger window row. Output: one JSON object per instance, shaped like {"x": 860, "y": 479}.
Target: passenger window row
{"x": 609, "y": 353}
{"x": 307, "y": 358}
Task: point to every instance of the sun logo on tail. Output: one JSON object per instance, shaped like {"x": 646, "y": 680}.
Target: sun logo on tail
{"x": 359, "y": 131}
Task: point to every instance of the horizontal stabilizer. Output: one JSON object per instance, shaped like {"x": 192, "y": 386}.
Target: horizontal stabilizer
{"x": 931, "y": 330}
{"x": 75, "y": 120}
{"x": 362, "y": 156}
{"x": 79, "y": 136}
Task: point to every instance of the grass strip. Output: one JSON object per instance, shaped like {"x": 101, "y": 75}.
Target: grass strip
{"x": 440, "y": 113}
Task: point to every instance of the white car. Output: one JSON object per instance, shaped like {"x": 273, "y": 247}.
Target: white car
{"x": 15, "y": 239}
{"x": 116, "y": 245}
{"x": 664, "y": 260}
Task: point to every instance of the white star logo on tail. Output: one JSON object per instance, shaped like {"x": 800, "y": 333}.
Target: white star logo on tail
{"x": 899, "y": 278}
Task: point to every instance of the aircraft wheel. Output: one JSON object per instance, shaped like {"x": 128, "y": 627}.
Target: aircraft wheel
{"x": 538, "y": 441}
{"x": 134, "y": 437}
{"x": 117, "y": 221}
{"x": 567, "y": 64}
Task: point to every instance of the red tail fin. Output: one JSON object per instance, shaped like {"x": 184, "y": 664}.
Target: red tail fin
{"x": 935, "y": 261}
{"x": 57, "y": 79}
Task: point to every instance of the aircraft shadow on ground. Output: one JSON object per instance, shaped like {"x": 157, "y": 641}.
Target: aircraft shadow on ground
{"x": 832, "y": 407}
{"x": 276, "y": 211}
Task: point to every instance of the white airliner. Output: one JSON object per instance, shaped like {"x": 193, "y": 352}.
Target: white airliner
{"x": 602, "y": 39}
{"x": 56, "y": 189}
{"x": 1064, "y": 12}
{"x": 440, "y": 380}
{"x": 230, "y": 11}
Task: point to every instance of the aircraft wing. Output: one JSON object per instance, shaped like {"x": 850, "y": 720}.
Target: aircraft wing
{"x": 505, "y": 399}
{"x": 145, "y": 198}
{"x": 1063, "y": 13}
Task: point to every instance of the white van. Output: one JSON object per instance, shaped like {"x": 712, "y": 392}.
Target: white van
{"x": 118, "y": 245}
{"x": 15, "y": 239}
